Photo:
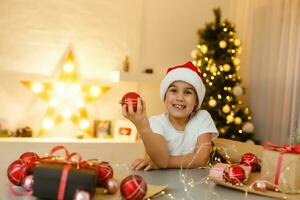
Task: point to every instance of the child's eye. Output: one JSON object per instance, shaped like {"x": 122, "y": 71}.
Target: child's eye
{"x": 172, "y": 90}
{"x": 188, "y": 92}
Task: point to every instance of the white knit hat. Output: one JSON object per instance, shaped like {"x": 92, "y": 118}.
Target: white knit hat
{"x": 187, "y": 73}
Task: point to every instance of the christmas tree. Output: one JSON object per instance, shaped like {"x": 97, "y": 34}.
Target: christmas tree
{"x": 216, "y": 56}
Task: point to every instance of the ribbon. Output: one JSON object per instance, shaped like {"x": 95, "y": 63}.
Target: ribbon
{"x": 283, "y": 150}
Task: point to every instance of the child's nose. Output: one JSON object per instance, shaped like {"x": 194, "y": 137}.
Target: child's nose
{"x": 179, "y": 96}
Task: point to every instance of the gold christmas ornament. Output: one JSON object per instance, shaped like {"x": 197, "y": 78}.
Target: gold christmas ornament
{"x": 212, "y": 102}
{"x": 213, "y": 69}
{"x": 237, "y": 120}
{"x": 237, "y": 42}
{"x": 236, "y": 61}
{"x": 226, "y": 109}
{"x": 194, "y": 53}
{"x": 226, "y": 67}
{"x": 203, "y": 48}
{"x": 222, "y": 44}
{"x": 229, "y": 119}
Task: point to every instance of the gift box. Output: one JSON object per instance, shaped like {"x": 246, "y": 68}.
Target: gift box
{"x": 283, "y": 173}
{"x": 216, "y": 172}
{"x": 49, "y": 179}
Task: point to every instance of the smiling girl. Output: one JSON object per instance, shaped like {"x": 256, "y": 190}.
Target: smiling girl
{"x": 180, "y": 137}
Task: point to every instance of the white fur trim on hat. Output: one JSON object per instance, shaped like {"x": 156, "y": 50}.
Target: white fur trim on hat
{"x": 186, "y": 75}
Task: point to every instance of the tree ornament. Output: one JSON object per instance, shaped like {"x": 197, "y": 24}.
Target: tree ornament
{"x": 111, "y": 185}
{"x": 203, "y": 48}
{"x": 82, "y": 195}
{"x": 31, "y": 159}
{"x": 248, "y": 127}
{"x": 237, "y": 120}
{"x": 237, "y": 91}
{"x": 212, "y": 102}
{"x": 234, "y": 174}
{"x": 260, "y": 185}
{"x": 194, "y": 53}
{"x": 130, "y": 97}
{"x": 237, "y": 42}
{"x": 236, "y": 61}
{"x": 213, "y": 69}
{"x": 249, "y": 159}
{"x": 17, "y": 171}
{"x": 229, "y": 119}
{"x": 226, "y": 109}
{"x": 222, "y": 44}
{"x": 133, "y": 187}
{"x": 226, "y": 67}
{"x": 27, "y": 183}
{"x": 105, "y": 172}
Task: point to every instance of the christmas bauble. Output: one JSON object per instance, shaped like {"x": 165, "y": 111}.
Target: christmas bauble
{"x": 130, "y": 97}
{"x": 17, "y": 171}
{"x": 204, "y": 48}
{"x": 27, "y": 183}
{"x": 31, "y": 159}
{"x": 237, "y": 91}
{"x": 260, "y": 186}
{"x": 111, "y": 186}
{"x": 212, "y": 102}
{"x": 249, "y": 159}
{"x": 226, "y": 67}
{"x": 105, "y": 172}
{"x": 234, "y": 174}
{"x": 248, "y": 127}
{"x": 133, "y": 187}
{"x": 222, "y": 44}
{"x": 82, "y": 195}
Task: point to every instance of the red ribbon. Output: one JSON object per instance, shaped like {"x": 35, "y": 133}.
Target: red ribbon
{"x": 283, "y": 150}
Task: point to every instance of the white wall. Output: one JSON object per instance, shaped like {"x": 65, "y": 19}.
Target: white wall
{"x": 35, "y": 34}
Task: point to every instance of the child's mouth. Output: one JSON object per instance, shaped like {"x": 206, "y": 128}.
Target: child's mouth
{"x": 178, "y": 106}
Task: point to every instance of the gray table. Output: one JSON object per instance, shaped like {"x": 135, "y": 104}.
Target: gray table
{"x": 174, "y": 181}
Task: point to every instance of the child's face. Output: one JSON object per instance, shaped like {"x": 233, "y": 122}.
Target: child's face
{"x": 181, "y": 99}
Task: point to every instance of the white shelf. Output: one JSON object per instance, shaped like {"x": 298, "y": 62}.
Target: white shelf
{"x": 140, "y": 77}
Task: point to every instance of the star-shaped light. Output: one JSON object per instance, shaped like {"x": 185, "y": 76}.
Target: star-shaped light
{"x": 66, "y": 97}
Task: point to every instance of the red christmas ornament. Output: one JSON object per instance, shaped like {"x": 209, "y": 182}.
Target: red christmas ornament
{"x": 17, "y": 171}
{"x": 234, "y": 174}
{"x": 111, "y": 186}
{"x": 130, "y": 97}
{"x": 249, "y": 159}
{"x": 105, "y": 172}
{"x": 27, "y": 183}
{"x": 133, "y": 187}
{"x": 31, "y": 159}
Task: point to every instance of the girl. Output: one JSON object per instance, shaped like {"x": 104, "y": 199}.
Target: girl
{"x": 182, "y": 136}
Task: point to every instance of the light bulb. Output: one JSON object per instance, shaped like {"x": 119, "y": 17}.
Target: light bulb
{"x": 68, "y": 67}
{"x": 83, "y": 124}
{"x": 37, "y": 87}
{"x": 48, "y": 123}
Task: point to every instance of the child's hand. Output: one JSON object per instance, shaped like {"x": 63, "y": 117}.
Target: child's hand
{"x": 139, "y": 164}
{"x": 139, "y": 118}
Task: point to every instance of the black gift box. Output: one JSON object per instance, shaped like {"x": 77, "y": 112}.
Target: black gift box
{"x": 47, "y": 177}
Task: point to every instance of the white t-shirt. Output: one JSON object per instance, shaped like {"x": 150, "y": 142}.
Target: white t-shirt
{"x": 183, "y": 142}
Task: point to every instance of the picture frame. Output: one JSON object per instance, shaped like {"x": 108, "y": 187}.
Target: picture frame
{"x": 125, "y": 131}
{"x": 102, "y": 129}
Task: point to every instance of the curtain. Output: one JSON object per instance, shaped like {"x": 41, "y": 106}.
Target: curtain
{"x": 270, "y": 64}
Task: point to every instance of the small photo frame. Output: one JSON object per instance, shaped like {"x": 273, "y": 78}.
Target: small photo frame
{"x": 102, "y": 129}
{"x": 125, "y": 131}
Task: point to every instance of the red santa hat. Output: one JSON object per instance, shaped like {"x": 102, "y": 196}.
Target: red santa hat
{"x": 188, "y": 73}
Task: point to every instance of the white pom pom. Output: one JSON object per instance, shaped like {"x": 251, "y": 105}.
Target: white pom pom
{"x": 194, "y": 53}
{"x": 238, "y": 91}
{"x": 248, "y": 127}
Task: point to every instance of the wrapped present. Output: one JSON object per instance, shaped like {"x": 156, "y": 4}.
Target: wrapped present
{"x": 280, "y": 165}
{"x": 62, "y": 180}
{"x": 216, "y": 172}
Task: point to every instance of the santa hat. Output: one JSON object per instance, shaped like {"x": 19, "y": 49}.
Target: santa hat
{"x": 187, "y": 73}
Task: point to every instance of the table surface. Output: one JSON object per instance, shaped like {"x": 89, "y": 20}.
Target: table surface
{"x": 177, "y": 182}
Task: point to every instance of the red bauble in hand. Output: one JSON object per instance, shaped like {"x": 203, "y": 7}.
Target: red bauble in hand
{"x": 130, "y": 97}
{"x": 31, "y": 159}
{"x": 105, "y": 172}
{"x": 17, "y": 171}
{"x": 133, "y": 187}
{"x": 249, "y": 159}
{"x": 234, "y": 174}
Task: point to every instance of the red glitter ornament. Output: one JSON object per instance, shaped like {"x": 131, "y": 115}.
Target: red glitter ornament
{"x": 234, "y": 174}
{"x": 133, "y": 187}
{"x": 31, "y": 159}
{"x": 249, "y": 159}
{"x": 17, "y": 171}
{"x": 130, "y": 97}
{"x": 105, "y": 172}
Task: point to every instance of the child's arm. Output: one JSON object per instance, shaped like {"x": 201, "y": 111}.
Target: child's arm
{"x": 198, "y": 158}
{"x": 155, "y": 144}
